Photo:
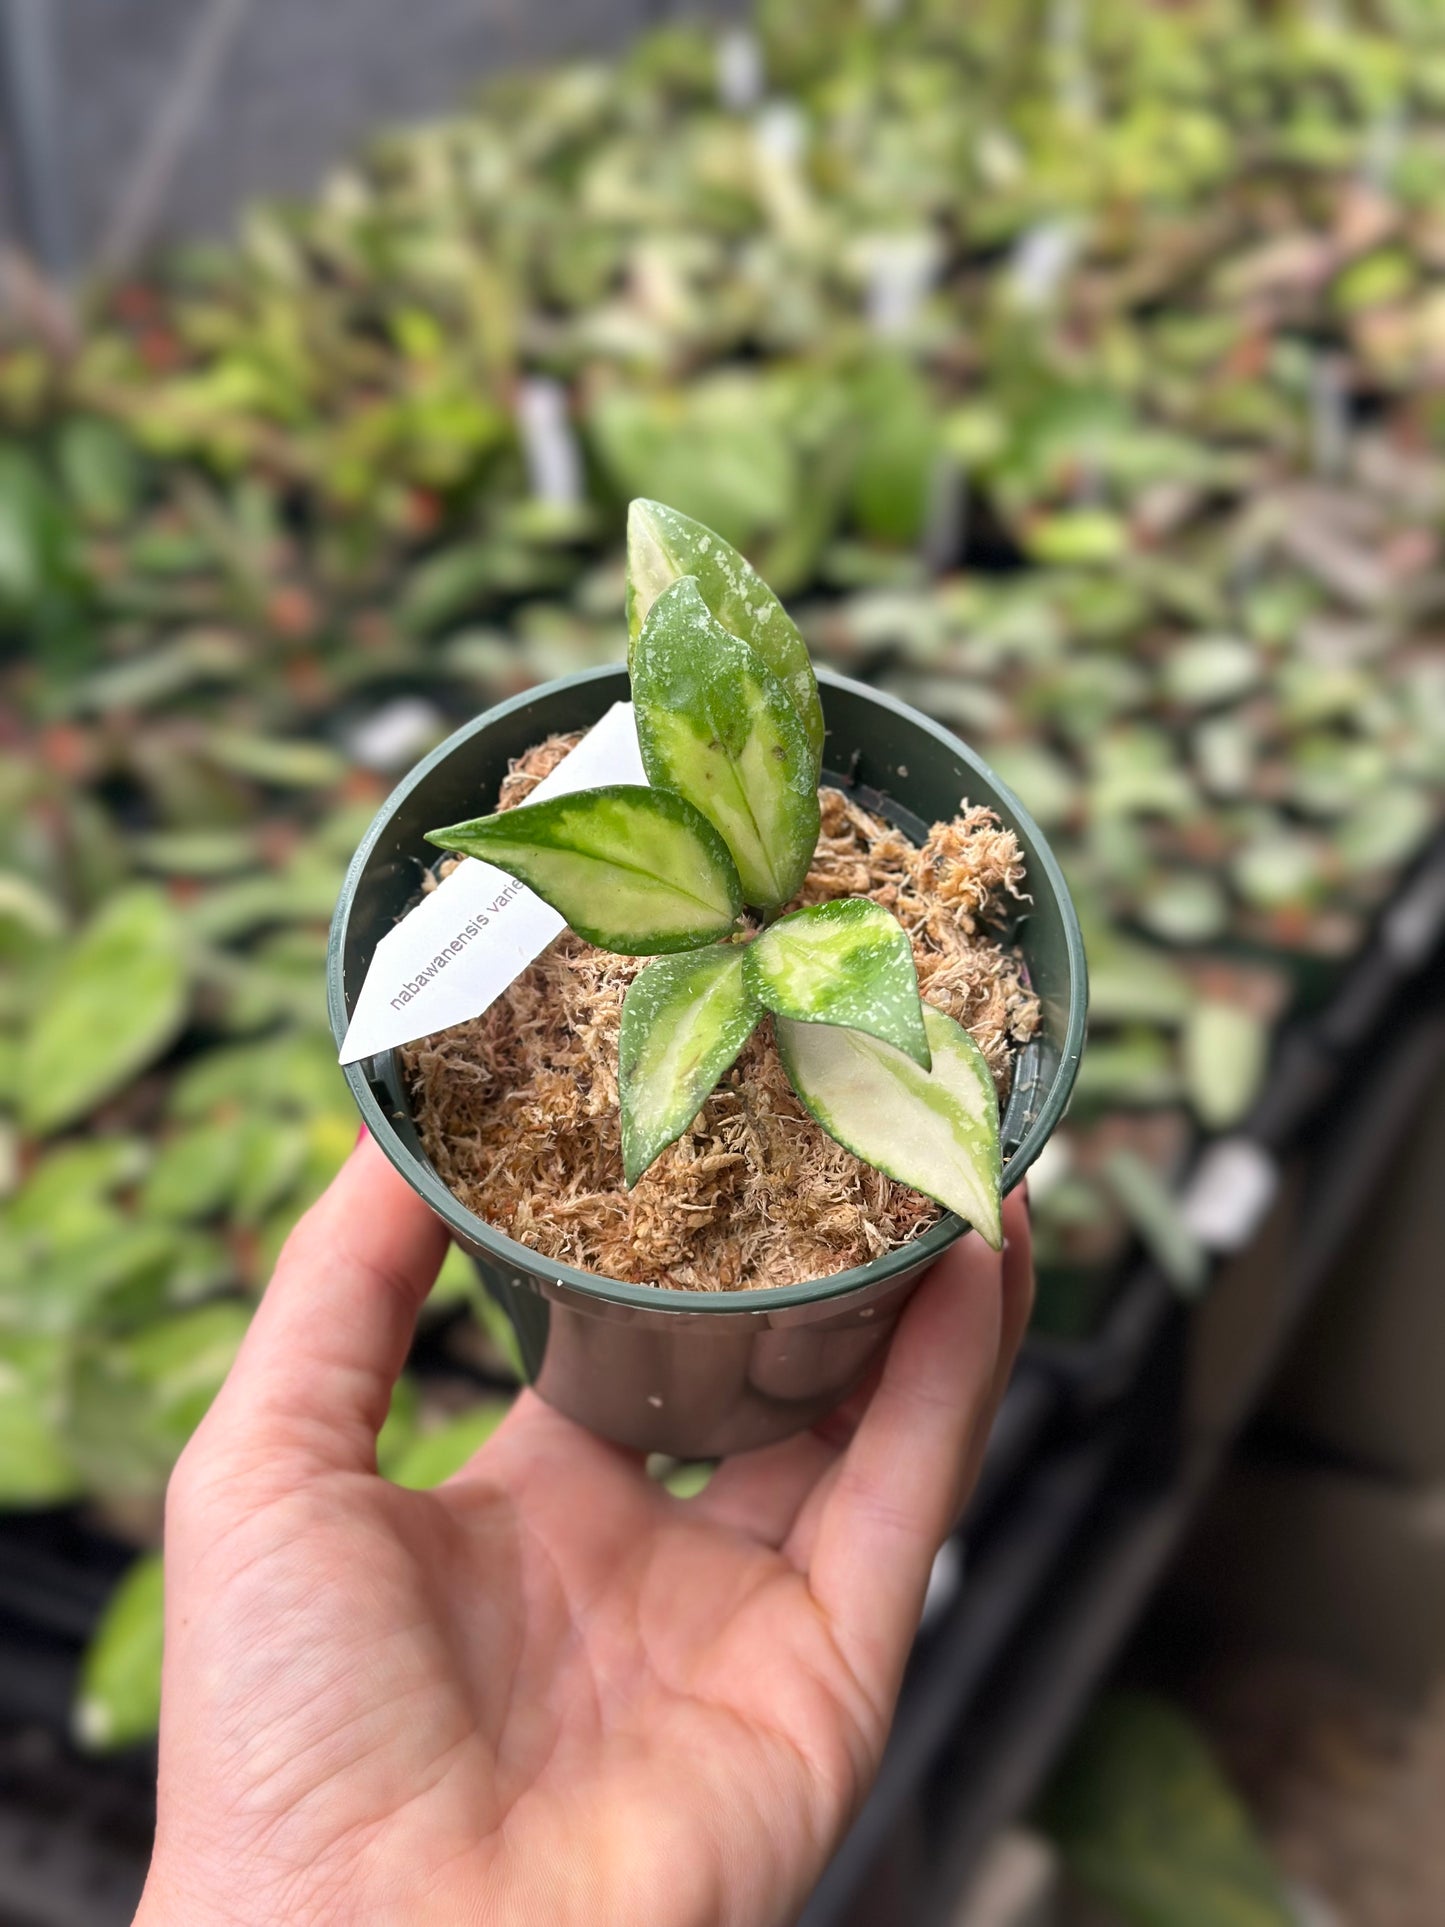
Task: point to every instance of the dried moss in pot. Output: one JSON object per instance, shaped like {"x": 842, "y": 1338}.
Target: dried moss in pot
{"x": 786, "y": 1091}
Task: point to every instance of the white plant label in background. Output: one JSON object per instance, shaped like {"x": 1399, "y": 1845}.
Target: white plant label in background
{"x": 740, "y": 74}
{"x": 901, "y": 271}
{"x": 1042, "y": 257}
{"x": 452, "y": 957}
{"x": 549, "y": 446}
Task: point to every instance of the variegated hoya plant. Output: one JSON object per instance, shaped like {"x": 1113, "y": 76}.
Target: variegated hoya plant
{"x": 731, "y": 733}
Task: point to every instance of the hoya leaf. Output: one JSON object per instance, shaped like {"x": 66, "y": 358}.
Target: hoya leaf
{"x": 683, "y": 1023}
{"x": 686, "y": 1478}
{"x": 635, "y": 870}
{"x": 1150, "y": 1827}
{"x": 114, "y": 1003}
{"x": 1225, "y": 1050}
{"x": 134, "y": 1399}
{"x": 716, "y": 726}
{"x": 663, "y": 546}
{"x": 35, "y": 1469}
{"x": 399, "y": 1429}
{"x": 935, "y": 1130}
{"x": 119, "y": 1701}
{"x": 195, "y": 1172}
{"x": 846, "y": 963}
{"x": 435, "y": 1456}
{"x": 1144, "y": 1196}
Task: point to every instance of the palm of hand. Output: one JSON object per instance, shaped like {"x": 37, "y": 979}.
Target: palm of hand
{"x": 548, "y": 1690}
{"x": 545, "y": 1658}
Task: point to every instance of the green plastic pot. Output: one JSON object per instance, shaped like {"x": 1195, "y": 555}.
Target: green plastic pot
{"x": 702, "y": 1374}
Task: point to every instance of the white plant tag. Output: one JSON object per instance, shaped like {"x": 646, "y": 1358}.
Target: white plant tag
{"x": 1230, "y": 1193}
{"x": 1042, "y": 256}
{"x": 740, "y": 74}
{"x": 549, "y": 447}
{"x": 453, "y": 955}
{"x": 901, "y": 270}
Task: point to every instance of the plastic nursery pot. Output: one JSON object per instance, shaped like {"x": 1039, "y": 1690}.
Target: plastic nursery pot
{"x": 702, "y": 1374}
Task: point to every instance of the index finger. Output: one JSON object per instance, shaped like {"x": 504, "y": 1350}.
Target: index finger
{"x": 314, "y": 1377}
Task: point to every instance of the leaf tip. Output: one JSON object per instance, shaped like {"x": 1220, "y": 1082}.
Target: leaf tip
{"x": 992, "y": 1232}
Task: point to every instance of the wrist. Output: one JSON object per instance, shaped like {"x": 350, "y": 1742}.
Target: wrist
{"x": 167, "y": 1901}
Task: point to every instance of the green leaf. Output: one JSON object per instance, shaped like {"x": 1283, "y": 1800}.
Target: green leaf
{"x": 135, "y": 1400}
{"x": 35, "y": 1469}
{"x": 116, "y": 1001}
{"x": 293, "y": 1075}
{"x": 63, "y": 1289}
{"x": 936, "y": 1131}
{"x": 847, "y": 963}
{"x": 398, "y": 1431}
{"x": 639, "y": 871}
{"x": 1132, "y": 983}
{"x": 896, "y": 423}
{"x": 26, "y": 908}
{"x": 195, "y": 1173}
{"x": 686, "y": 1479}
{"x": 1225, "y": 1048}
{"x": 434, "y": 1456}
{"x": 99, "y": 468}
{"x": 1386, "y": 829}
{"x": 501, "y": 1350}
{"x": 683, "y": 1023}
{"x": 197, "y": 853}
{"x": 1207, "y": 670}
{"x": 664, "y": 545}
{"x": 270, "y": 1159}
{"x": 37, "y": 541}
{"x": 1149, "y": 1826}
{"x": 119, "y": 1698}
{"x": 1133, "y": 1070}
{"x": 285, "y": 762}
{"x": 455, "y": 1284}
{"x": 71, "y": 1177}
{"x": 1041, "y": 776}
{"x": 717, "y": 447}
{"x": 1280, "y": 869}
{"x": 1184, "y": 907}
{"x": 1153, "y": 1210}
{"x": 1077, "y": 537}
{"x": 717, "y": 727}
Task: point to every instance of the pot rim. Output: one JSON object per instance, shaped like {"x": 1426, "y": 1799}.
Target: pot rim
{"x": 520, "y": 1258}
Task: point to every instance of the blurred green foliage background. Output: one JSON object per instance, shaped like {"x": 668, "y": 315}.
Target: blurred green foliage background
{"x": 1075, "y": 372}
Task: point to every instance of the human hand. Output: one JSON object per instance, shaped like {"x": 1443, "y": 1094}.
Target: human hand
{"x": 548, "y": 1690}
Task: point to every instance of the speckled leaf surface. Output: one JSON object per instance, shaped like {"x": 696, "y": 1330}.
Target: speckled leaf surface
{"x": 683, "y": 1023}
{"x": 664, "y": 545}
{"x": 716, "y": 726}
{"x": 934, "y": 1130}
{"x": 847, "y": 963}
{"x": 639, "y": 871}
